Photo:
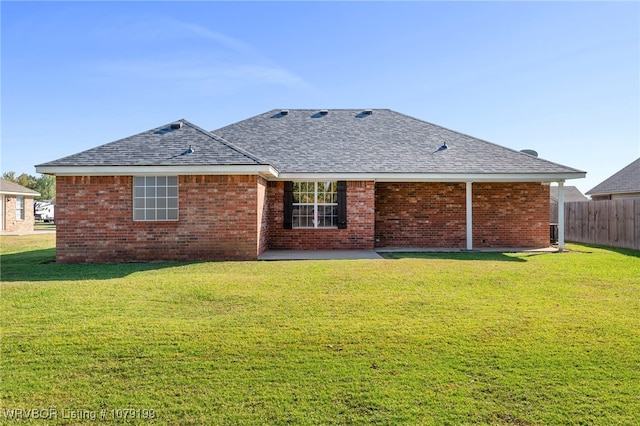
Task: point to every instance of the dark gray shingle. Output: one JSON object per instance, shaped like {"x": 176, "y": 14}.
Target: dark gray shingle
{"x": 307, "y": 141}
{"x": 626, "y": 180}
{"x": 351, "y": 141}
{"x": 163, "y": 146}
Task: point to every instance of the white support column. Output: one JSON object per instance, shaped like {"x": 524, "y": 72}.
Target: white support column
{"x": 469, "y": 216}
{"x": 561, "y": 215}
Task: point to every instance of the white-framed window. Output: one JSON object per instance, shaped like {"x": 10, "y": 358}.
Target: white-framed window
{"x": 155, "y": 198}
{"x": 19, "y": 208}
{"x": 315, "y": 205}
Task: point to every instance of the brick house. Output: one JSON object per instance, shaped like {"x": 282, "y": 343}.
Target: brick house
{"x": 298, "y": 179}
{"x": 16, "y": 207}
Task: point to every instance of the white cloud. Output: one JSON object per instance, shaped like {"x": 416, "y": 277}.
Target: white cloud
{"x": 193, "y": 57}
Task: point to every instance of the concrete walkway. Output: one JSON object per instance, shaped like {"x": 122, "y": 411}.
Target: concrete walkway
{"x": 35, "y": 232}
{"x": 370, "y": 254}
{"x": 318, "y": 254}
{"x": 550, "y": 249}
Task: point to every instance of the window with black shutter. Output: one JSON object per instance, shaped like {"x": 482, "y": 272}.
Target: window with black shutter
{"x": 315, "y": 205}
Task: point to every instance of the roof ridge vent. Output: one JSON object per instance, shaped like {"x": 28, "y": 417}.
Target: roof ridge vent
{"x": 368, "y": 111}
{"x": 176, "y": 125}
{"x": 284, "y": 111}
{"x": 324, "y": 111}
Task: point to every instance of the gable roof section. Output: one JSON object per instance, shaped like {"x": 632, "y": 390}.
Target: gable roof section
{"x": 177, "y": 146}
{"x": 624, "y": 181}
{"x": 382, "y": 142}
{"x": 571, "y": 194}
{"x": 11, "y": 188}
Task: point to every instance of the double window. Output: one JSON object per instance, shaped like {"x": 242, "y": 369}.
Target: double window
{"x": 315, "y": 205}
{"x": 155, "y": 198}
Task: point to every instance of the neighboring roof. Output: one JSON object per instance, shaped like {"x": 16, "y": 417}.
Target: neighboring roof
{"x": 342, "y": 143}
{"x": 571, "y": 194}
{"x": 384, "y": 141}
{"x": 624, "y": 181}
{"x": 176, "y": 144}
{"x": 11, "y": 188}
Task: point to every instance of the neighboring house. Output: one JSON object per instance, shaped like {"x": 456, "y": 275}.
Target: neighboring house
{"x": 298, "y": 179}
{"x": 571, "y": 194}
{"x": 16, "y": 207}
{"x": 623, "y": 184}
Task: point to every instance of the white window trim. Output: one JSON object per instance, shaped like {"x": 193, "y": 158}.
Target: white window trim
{"x": 315, "y": 205}
{"x": 20, "y": 202}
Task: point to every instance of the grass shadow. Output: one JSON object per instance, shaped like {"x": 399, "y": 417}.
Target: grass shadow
{"x": 622, "y": 251}
{"x": 40, "y": 265}
{"x": 502, "y": 257}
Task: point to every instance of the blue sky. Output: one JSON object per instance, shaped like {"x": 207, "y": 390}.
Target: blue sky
{"x": 562, "y": 78}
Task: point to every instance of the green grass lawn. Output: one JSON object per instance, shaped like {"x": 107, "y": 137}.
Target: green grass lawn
{"x": 441, "y": 339}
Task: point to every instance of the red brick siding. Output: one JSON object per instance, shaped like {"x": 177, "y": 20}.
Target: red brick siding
{"x": 217, "y": 221}
{"x": 11, "y": 224}
{"x": 420, "y": 215}
{"x": 360, "y": 223}
{"x": 510, "y": 215}
{"x": 433, "y": 215}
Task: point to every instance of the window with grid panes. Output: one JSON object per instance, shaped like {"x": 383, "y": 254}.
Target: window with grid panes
{"x": 155, "y": 198}
{"x": 19, "y": 208}
{"x": 315, "y": 205}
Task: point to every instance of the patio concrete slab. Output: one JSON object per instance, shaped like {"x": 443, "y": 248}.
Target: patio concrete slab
{"x": 318, "y": 254}
{"x": 370, "y": 254}
{"x": 550, "y": 249}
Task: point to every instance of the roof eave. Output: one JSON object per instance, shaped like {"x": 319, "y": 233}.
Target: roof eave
{"x": 271, "y": 173}
{"x": 437, "y": 177}
{"x": 19, "y": 193}
{"x": 266, "y": 171}
{"x": 601, "y": 193}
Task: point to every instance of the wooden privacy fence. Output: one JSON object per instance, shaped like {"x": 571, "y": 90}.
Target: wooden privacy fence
{"x": 614, "y": 223}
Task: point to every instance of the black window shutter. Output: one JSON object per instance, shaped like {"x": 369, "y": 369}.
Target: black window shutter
{"x": 288, "y": 205}
{"x": 342, "y": 204}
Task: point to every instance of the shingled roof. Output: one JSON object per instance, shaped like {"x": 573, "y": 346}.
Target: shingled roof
{"x": 625, "y": 181}
{"x": 302, "y": 143}
{"x": 176, "y": 144}
{"x": 373, "y": 141}
{"x": 571, "y": 194}
{"x": 8, "y": 187}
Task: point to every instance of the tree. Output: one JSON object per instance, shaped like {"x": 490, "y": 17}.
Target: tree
{"x": 10, "y": 176}
{"x": 45, "y": 184}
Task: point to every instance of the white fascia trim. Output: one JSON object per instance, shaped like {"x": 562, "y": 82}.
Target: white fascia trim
{"x": 20, "y": 194}
{"x": 266, "y": 171}
{"x": 434, "y": 177}
{"x": 596, "y": 194}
